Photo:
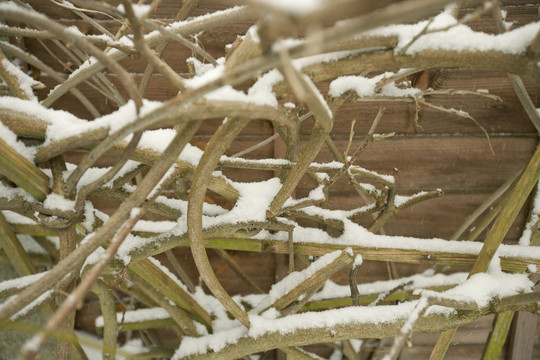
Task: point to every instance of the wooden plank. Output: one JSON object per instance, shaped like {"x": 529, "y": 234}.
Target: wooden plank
{"x": 259, "y": 268}
{"x": 496, "y": 117}
{"x": 454, "y": 353}
{"x": 457, "y": 164}
{"x": 523, "y": 336}
{"x": 167, "y": 8}
{"x": 467, "y": 344}
{"x": 257, "y": 130}
{"x": 438, "y": 217}
{"x": 475, "y": 332}
{"x": 468, "y": 166}
{"x": 520, "y": 12}
{"x": 493, "y": 116}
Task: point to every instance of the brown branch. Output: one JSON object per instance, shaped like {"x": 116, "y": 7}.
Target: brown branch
{"x": 215, "y": 148}
{"x": 20, "y": 14}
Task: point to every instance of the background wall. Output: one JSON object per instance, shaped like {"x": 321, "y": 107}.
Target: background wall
{"x": 441, "y": 150}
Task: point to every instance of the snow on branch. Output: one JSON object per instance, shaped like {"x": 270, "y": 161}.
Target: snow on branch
{"x": 162, "y": 157}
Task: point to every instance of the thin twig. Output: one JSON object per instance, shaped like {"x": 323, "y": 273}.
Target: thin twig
{"x": 462, "y": 114}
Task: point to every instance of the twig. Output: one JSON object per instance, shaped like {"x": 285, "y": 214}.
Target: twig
{"x": 180, "y": 270}
{"x": 416, "y": 37}
{"x": 267, "y": 140}
{"x": 501, "y": 191}
{"x": 466, "y": 19}
{"x": 355, "y": 295}
{"x": 397, "y": 76}
{"x": 291, "y": 251}
{"x": 241, "y": 274}
{"x": 86, "y": 190}
{"x": 461, "y": 92}
{"x": 349, "y": 143}
{"x": 77, "y": 257}
{"x": 37, "y": 20}
{"x": 11, "y": 80}
{"x": 197, "y": 49}
{"x": 462, "y": 114}
{"x": 108, "y": 311}
{"x": 37, "y": 63}
{"x": 143, "y": 48}
{"x": 215, "y": 148}
{"x": 367, "y": 139}
{"x": 70, "y": 304}
{"x": 180, "y": 316}
{"x": 406, "y": 329}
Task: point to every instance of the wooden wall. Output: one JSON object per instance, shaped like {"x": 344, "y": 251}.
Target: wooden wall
{"x": 441, "y": 151}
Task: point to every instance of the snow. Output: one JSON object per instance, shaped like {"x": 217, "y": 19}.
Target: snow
{"x": 191, "y": 154}
{"x": 255, "y": 198}
{"x": 401, "y": 200}
{"x": 197, "y": 19}
{"x": 21, "y": 282}
{"x": 254, "y": 34}
{"x": 153, "y": 226}
{"x": 427, "y": 279}
{"x": 365, "y": 87}
{"x": 289, "y": 105}
{"x": 329, "y": 318}
{"x": 458, "y": 37}
{"x": 204, "y": 73}
{"x": 158, "y": 140}
{"x": 75, "y": 30}
{"x": 358, "y": 170}
{"x": 259, "y": 94}
{"x": 92, "y": 346}
{"x": 64, "y": 125}
{"x": 10, "y": 138}
{"x": 59, "y": 202}
{"x": 15, "y": 218}
{"x": 140, "y": 10}
{"x": 134, "y": 316}
{"x": 167, "y": 272}
{"x": 213, "y": 342}
{"x": 278, "y": 162}
{"x": 93, "y": 174}
{"x": 253, "y": 201}
{"x": 134, "y": 213}
{"x": 126, "y": 114}
{"x": 95, "y": 256}
{"x": 134, "y": 346}
{"x": 534, "y": 217}
{"x": 34, "y": 304}
{"x": 30, "y": 245}
{"x": 316, "y": 194}
{"x": 482, "y": 288}
{"x": 130, "y": 242}
{"x": 25, "y": 81}
{"x": 298, "y": 7}
{"x": 199, "y": 67}
{"x": 358, "y": 260}
{"x": 295, "y": 278}
{"x": 85, "y": 65}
